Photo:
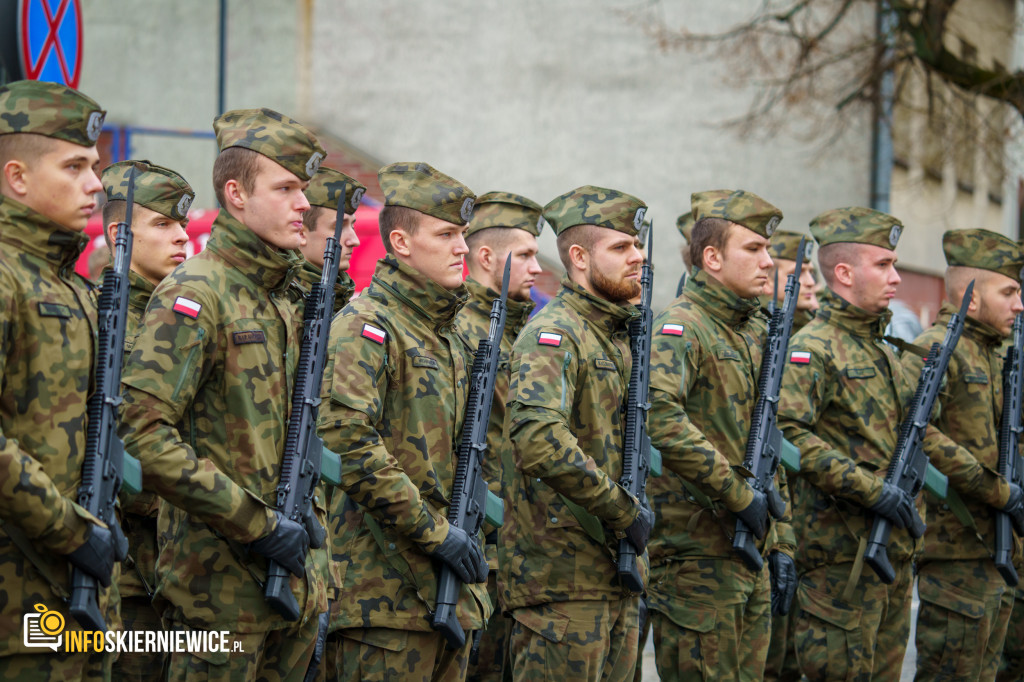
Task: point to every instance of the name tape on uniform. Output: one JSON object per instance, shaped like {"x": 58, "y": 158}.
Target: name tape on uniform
{"x": 800, "y": 357}
{"x": 373, "y": 333}
{"x": 187, "y": 307}
{"x": 548, "y": 339}
{"x": 672, "y": 329}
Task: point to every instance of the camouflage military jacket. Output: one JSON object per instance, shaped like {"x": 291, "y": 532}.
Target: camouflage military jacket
{"x": 47, "y": 340}
{"x": 844, "y": 396}
{"x": 397, "y": 382}
{"x": 207, "y": 399}
{"x": 705, "y": 359}
{"x": 474, "y": 322}
{"x": 967, "y": 413}
{"x": 309, "y": 274}
{"x": 570, "y": 371}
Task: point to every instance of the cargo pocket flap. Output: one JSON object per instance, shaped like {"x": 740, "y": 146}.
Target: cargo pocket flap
{"x": 695, "y": 617}
{"x": 381, "y": 638}
{"x": 546, "y": 622}
{"x": 951, "y": 599}
{"x": 828, "y": 609}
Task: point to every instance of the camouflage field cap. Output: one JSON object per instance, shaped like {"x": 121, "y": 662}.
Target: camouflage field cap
{"x": 785, "y": 244}
{"x": 325, "y": 190}
{"x": 984, "y": 249}
{"x": 504, "y": 209}
{"x": 157, "y": 188}
{"x": 685, "y": 223}
{"x": 274, "y": 135}
{"x": 50, "y": 109}
{"x": 590, "y": 205}
{"x": 737, "y": 206}
{"x": 857, "y": 225}
{"x": 425, "y": 189}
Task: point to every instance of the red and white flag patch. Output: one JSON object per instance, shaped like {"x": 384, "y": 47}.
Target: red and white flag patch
{"x": 373, "y": 333}
{"x": 672, "y": 329}
{"x": 548, "y": 339}
{"x": 187, "y": 307}
{"x": 800, "y": 357}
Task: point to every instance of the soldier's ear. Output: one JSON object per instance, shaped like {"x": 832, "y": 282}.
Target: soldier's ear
{"x": 14, "y": 179}
{"x": 712, "y": 259}
{"x": 110, "y": 234}
{"x": 578, "y": 257}
{"x": 844, "y": 274}
{"x": 235, "y": 194}
{"x": 485, "y": 257}
{"x": 400, "y": 242}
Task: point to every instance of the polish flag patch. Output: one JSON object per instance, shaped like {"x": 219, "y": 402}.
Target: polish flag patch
{"x": 800, "y": 357}
{"x": 672, "y": 329}
{"x": 547, "y": 339}
{"x": 373, "y": 333}
{"x": 187, "y": 307}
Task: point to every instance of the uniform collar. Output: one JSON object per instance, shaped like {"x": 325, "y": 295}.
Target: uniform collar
{"x": 973, "y": 329}
{"x": 598, "y": 311}
{"x": 482, "y": 297}
{"x": 139, "y": 290}
{"x": 310, "y": 274}
{"x": 32, "y": 232}
{"x": 839, "y": 312}
{"x": 266, "y": 266}
{"x": 719, "y": 301}
{"x": 424, "y": 295}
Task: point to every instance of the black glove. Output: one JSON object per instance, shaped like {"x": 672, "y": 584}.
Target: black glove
{"x": 755, "y": 514}
{"x": 896, "y": 506}
{"x": 1015, "y": 508}
{"x": 462, "y": 554}
{"x": 96, "y": 556}
{"x": 783, "y": 575}
{"x": 639, "y": 532}
{"x": 287, "y": 544}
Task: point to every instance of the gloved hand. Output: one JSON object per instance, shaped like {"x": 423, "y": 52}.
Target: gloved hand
{"x": 639, "y": 532}
{"x": 96, "y": 556}
{"x": 896, "y": 506}
{"x": 755, "y": 514}
{"x": 287, "y": 544}
{"x": 462, "y": 554}
{"x": 783, "y": 576}
{"x": 1014, "y": 507}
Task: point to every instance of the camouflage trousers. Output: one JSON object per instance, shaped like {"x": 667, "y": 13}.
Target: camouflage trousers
{"x": 645, "y": 632}
{"x": 493, "y": 649}
{"x": 137, "y": 613}
{"x": 781, "y": 665}
{"x": 575, "y": 640}
{"x": 383, "y": 655}
{"x": 47, "y": 665}
{"x": 1011, "y": 669}
{"x": 860, "y": 635}
{"x": 274, "y": 656}
{"x": 716, "y": 623}
{"x": 961, "y": 621}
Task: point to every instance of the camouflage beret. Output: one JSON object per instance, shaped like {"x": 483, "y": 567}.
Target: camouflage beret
{"x": 857, "y": 225}
{"x": 685, "y": 223}
{"x": 274, "y": 135}
{"x": 325, "y": 190}
{"x": 157, "y": 188}
{"x": 743, "y": 208}
{"x": 50, "y": 109}
{"x": 425, "y": 189}
{"x": 590, "y": 205}
{"x": 504, "y": 209}
{"x": 984, "y": 249}
{"x": 785, "y": 244}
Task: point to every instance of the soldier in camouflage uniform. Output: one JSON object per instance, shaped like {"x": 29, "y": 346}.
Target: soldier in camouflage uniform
{"x": 844, "y": 395}
{"x": 564, "y": 509}
{"x": 207, "y": 397}
{"x": 503, "y": 225}
{"x": 710, "y": 613}
{"x": 159, "y": 216}
{"x": 965, "y": 603}
{"x": 48, "y": 158}
{"x": 395, "y": 394}
{"x": 324, "y": 193}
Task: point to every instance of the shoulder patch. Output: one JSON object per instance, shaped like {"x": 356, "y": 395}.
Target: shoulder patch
{"x": 800, "y": 357}
{"x": 373, "y": 333}
{"x": 187, "y": 307}
{"x": 672, "y": 329}
{"x": 549, "y": 339}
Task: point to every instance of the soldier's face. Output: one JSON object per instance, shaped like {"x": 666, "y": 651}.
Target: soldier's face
{"x": 808, "y": 297}
{"x": 158, "y": 243}
{"x": 61, "y": 183}
{"x": 525, "y": 268}
{"x": 998, "y": 301}
{"x": 316, "y": 241}
{"x": 436, "y": 249}
{"x": 874, "y": 279}
{"x": 274, "y": 209}
{"x": 743, "y": 265}
{"x": 614, "y": 266}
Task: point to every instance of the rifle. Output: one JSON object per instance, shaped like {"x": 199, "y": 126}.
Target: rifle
{"x": 636, "y": 446}
{"x": 471, "y": 503}
{"x": 1010, "y": 466}
{"x": 909, "y": 463}
{"x": 764, "y": 443}
{"x": 106, "y": 464}
{"x": 304, "y": 452}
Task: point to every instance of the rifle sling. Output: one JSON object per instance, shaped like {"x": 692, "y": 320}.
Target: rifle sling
{"x": 919, "y": 351}
{"x": 962, "y": 513}
{"x": 855, "y": 570}
{"x": 25, "y": 546}
{"x": 590, "y": 523}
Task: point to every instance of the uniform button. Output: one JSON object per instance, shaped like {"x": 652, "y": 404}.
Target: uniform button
{"x": 391, "y": 546}
{"x": 554, "y": 519}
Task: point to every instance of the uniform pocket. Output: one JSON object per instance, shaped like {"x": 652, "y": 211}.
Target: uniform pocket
{"x": 827, "y": 636}
{"x": 699, "y": 623}
{"x": 948, "y": 629}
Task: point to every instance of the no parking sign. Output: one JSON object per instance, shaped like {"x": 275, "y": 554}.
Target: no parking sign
{"x": 50, "y": 40}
